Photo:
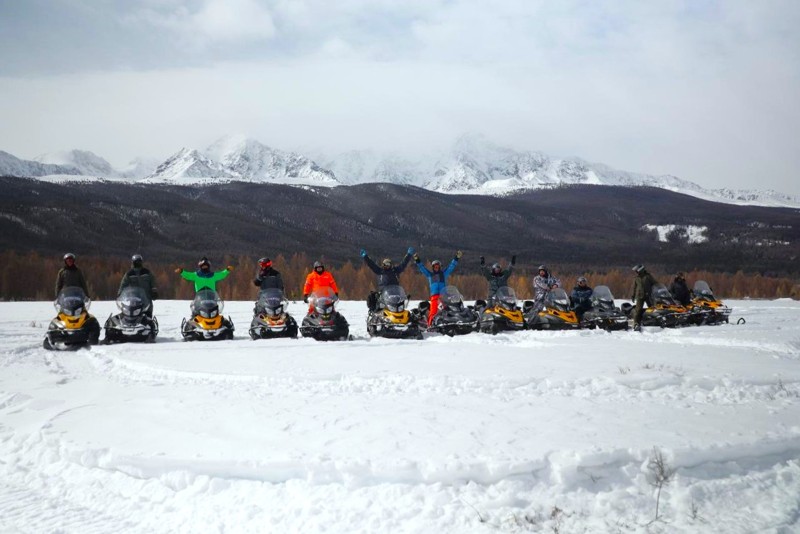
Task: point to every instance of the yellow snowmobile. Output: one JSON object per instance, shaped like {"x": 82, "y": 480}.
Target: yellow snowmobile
{"x": 663, "y": 311}
{"x": 73, "y": 327}
{"x": 555, "y": 315}
{"x": 392, "y": 317}
{"x": 207, "y": 322}
{"x": 501, "y": 313}
{"x": 705, "y": 308}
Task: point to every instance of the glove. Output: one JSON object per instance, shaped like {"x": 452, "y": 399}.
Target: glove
{"x": 178, "y": 270}
{"x": 410, "y": 250}
{"x": 416, "y": 257}
{"x": 256, "y": 282}
{"x": 363, "y": 253}
{"x": 483, "y": 260}
{"x": 230, "y": 267}
{"x": 305, "y": 299}
{"x": 459, "y": 254}
{"x": 513, "y": 259}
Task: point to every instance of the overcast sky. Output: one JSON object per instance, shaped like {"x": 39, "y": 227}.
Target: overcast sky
{"x": 708, "y": 91}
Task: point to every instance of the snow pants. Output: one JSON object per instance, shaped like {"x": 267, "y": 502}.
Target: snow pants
{"x": 434, "y": 308}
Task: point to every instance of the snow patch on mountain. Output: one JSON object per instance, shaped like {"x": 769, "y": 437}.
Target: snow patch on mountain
{"x": 690, "y": 233}
{"x": 83, "y": 161}
{"x": 11, "y": 165}
{"x": 189, "y": 166}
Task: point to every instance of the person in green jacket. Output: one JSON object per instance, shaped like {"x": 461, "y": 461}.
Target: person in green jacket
{"x": 204, "y": 277}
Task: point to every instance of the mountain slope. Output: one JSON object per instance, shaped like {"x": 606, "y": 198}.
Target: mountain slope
{"x": 83, "y": 161}
{"x": 13, "y": 166}
{"x": 189, "y": 166}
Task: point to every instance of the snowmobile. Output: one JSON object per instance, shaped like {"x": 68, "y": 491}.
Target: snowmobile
{"x": 391, "y": 318}
{"x": 323, "y": 322}
{"x": 664, "y": 310}
{"x": 207, "y": 322}
{"x": 453, "y": 317}
{"x": 555, "y": 315}
{"x": 73, "y": 327}
{"x": 501, "y": 314}
{"x": 133, "y": 323}
{"x": 270, "y": 318}
{"x": 705, "y": 308}
{"x": 603, "y": 313}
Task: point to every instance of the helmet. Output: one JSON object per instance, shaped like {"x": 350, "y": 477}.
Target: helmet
{"x": 265, "y": 263}
{"x": 434, "y": 263}
{"x": 318, "y": 264}
{"x": 136, "y": 260}
{"x": 680, "y": 275}
{"x": 581, "y": 279}
{"x": 542, "y": 268}
{"x": 204, "y": 261}
{"x": 69, "y": 256}
{"x": 638, "y": 268}
{"x": 386, "y": 263}
{"x": 496, "y": 267}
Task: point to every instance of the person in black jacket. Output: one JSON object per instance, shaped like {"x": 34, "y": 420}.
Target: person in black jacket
{"x": 680, "y": 290}
{"x": 267, "y": 276}
{"x": 70, "y": 276}
{"x": 388, "y": 274}
{"x": 496, "y": 276}
{"x": 140, "y": 276}
{"x": 581, "y": 297}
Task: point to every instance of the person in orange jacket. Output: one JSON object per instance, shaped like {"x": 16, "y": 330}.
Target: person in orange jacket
{"x": 316, "y": 279}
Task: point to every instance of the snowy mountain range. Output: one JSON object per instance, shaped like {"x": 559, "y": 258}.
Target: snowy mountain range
{"x": 473, "y": 165}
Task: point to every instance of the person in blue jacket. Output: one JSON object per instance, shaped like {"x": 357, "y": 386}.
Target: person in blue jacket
{"x": 437, "y": 278}
{"x": 581, "y": 297}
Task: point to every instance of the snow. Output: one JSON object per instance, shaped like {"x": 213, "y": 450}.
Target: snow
{"x": 691, "y": 233}
{"x": 533, "y": 431}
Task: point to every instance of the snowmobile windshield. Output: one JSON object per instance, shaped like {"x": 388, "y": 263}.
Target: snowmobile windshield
{"x": 557, "y": 299}
{"x": 602, "y": 297}
{"x": 661, "y": 295}
{"x": 451, "y": 296}
{"x": 133, "y": 300}
{"x": 394, "y": 298}
{"x": 271, "y": 300}
{"x": 702, "y": 289}
{"x": 207, "y": 303}
{"x": 323, "y": 300}
{"x": 506, "y": 298}
{"x": 72, "y": 301}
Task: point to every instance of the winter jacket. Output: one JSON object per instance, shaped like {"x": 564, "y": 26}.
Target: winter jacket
{"x": 642, "y": 285}
{"x": 140, "y": 277}
{"x": 496, "y": 281}
{"x": 680, "y": 291}
{"x": 269, "y": 278}
{"x": 70, "y": 277}
{"x": 316, "y": 280}
{"x": 581, "y": 298}
{"x": 437, "y": 280}
{"x": 387, "y": 277}
{"x": 205, "y": 280}
{"x": 542, "y": 286}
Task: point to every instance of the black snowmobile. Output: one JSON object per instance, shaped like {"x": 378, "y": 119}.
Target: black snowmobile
{"x": 705, "y": 308}
{"x": 604, "y": 313}
{"x": 207, "y": 322}
{"x": 323, "y": 322}
{"x": 663, "y": 311}
{"x": 454, "y": 318}
{"x": 392, "y": 317}
{"x": 73, "y": 327}
{"x": 134, "y": 322}
{"x": 555, "y": 315}
{"x": 270, "y": 318}
{"x": 501, "y": 314}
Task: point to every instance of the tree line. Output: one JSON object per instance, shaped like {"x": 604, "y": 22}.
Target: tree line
{"x": 31, "y": 276}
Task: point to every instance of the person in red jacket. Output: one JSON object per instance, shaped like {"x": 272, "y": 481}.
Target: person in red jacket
{"x": 316, "y": 279}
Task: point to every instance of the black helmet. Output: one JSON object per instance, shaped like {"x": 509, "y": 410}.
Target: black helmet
{"x": 638, "y": 268}
{"x": 318, "y": 264}
{"x": 496, "y": 267}
{"x": 69, "y": 256}
{"x": 581, "y": 279}
{"x": 136, "y": 260}
{"x": 204, "y": 261}
{"x": 542, "y": 268}
{"x": 386, "y": 263}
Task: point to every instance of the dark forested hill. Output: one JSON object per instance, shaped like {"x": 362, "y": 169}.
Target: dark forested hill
{"x": 593, "y": 226}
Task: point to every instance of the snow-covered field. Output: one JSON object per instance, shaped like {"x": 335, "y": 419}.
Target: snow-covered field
{"x": 534, "y": 431}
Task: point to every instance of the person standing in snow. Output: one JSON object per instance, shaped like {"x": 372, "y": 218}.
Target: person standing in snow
{"x": 581, "y": 297}
{"x": 496, "y": 276}
{"x": 204, "y": 277}
{"x": 388, "y": 274}
{"x": 437, "y": 279}
{"x": 317, "y": 279}
{"x": 542, "y": 284}
{"x": 70, "y": 276}
{"x": 642, "y": 286}
{"x": 268, "y": 277}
